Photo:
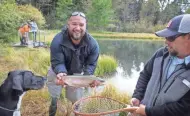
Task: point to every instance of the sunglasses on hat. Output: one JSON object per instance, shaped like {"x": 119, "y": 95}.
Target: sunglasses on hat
{"x": 78, "y": 14}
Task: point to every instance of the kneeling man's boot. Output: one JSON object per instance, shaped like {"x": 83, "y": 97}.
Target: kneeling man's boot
{"x": 53, "y": 107}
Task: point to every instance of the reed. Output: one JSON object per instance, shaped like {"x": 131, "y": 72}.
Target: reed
{"x": 36, "y": 60}
{"x": 106, "y": 65}
{"x": 36, "y": 103}
{"x": 112, "y": 92}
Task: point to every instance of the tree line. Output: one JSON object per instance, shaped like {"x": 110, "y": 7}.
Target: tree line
{"x": 112, "y": 15}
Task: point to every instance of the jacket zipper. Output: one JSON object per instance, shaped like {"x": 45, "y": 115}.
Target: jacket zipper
{"x": 161, "y": 72}
{"x": 168, "y": 86}
{"x": 164, "y": 91}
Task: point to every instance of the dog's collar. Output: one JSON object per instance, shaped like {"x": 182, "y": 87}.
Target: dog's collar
{"x": 18, "y": 105}
{"x": 9, "y": 109}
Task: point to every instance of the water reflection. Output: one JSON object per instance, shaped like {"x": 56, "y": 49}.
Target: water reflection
{"x": 126, "y": 83}
{"x": 129, "y": 52}
{"x": 131, "y": 56}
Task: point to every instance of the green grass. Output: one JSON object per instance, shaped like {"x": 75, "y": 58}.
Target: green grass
{"x": 116, "y": 35}
{"x": 38, "y": 61}
{"x": 36, "y": 103}
{"x": 112, "y": 92}
{"x": 106, "y": 65}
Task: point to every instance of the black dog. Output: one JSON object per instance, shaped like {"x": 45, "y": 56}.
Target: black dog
{"x": 14, "y": 87}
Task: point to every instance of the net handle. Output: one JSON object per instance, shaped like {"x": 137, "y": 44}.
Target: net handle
{"x": 101, "y": 113}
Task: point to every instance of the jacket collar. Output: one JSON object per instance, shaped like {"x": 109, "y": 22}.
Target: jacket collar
{"x": 187, "y": 63}
{"x": 68, "y": 43}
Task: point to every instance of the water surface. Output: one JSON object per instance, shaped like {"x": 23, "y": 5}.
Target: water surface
{"x": 131, "y": 56}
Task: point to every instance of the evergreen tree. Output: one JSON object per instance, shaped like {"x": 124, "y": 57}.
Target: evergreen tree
{"x": 150, "y": 11}
{"x": 100, "y": 14}
{"x": 63, "y": 10}
{"x": 172, "y": 9}
{"x": 81, "y": 5}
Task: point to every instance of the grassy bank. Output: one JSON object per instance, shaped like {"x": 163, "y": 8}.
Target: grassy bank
{"x": 38, "y": 61}
{"x": 36, "y": 103}
{"x": 115, "y": 35}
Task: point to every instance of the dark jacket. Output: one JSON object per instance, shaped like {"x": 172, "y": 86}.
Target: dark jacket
{"x": 164, "y": 97}
{"x": 69, "y": 58}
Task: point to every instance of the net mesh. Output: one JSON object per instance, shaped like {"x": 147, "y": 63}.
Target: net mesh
{"x": 99, "y": 105}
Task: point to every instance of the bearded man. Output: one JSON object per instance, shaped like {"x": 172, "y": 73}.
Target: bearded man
{"x": 163, "y": 87}
{"x": 73, "y": 51}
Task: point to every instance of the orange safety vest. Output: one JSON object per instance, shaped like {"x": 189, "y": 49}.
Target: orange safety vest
{"x": 25, "y": 28}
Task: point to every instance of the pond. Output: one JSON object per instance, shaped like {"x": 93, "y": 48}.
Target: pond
{"x": 131, "y": 56}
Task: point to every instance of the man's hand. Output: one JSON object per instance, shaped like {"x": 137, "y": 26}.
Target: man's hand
{"x": 141, "y": 110}
{"x": 61, "y": 75}
{"x": 135, "y": 102}
{"x": 61, "y": 79}
{"x": 95, "y": 83}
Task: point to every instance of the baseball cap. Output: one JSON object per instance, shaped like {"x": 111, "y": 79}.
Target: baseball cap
{"x": 178, "y": 25}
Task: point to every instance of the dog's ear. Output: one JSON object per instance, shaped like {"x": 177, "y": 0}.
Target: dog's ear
{"x": 6, "y": 86}
{"x": 18, "y": 83}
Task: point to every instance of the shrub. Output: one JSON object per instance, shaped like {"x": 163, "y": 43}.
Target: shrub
{"x": 12, "y": 16}
{"x": 28, "y": 12}
{"x": 159, "y": 27}
{"x": 9, "y": 21}
{"x": 138, "y": 27}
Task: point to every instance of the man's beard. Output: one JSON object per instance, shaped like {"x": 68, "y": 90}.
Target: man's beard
{"x": 77, "y": 36}
{"x": 173, "y": 53}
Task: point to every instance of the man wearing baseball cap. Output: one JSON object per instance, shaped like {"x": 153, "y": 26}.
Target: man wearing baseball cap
{"x": 163, "y": 88}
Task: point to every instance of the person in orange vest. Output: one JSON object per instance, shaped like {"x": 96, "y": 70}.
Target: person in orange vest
{"x": 23, "y": 33}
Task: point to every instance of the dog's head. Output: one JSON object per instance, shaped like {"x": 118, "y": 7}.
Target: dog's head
{"x": 22, "y": 81}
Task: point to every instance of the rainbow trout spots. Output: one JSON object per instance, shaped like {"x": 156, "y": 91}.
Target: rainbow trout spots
{"x": 80, "y": 80}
